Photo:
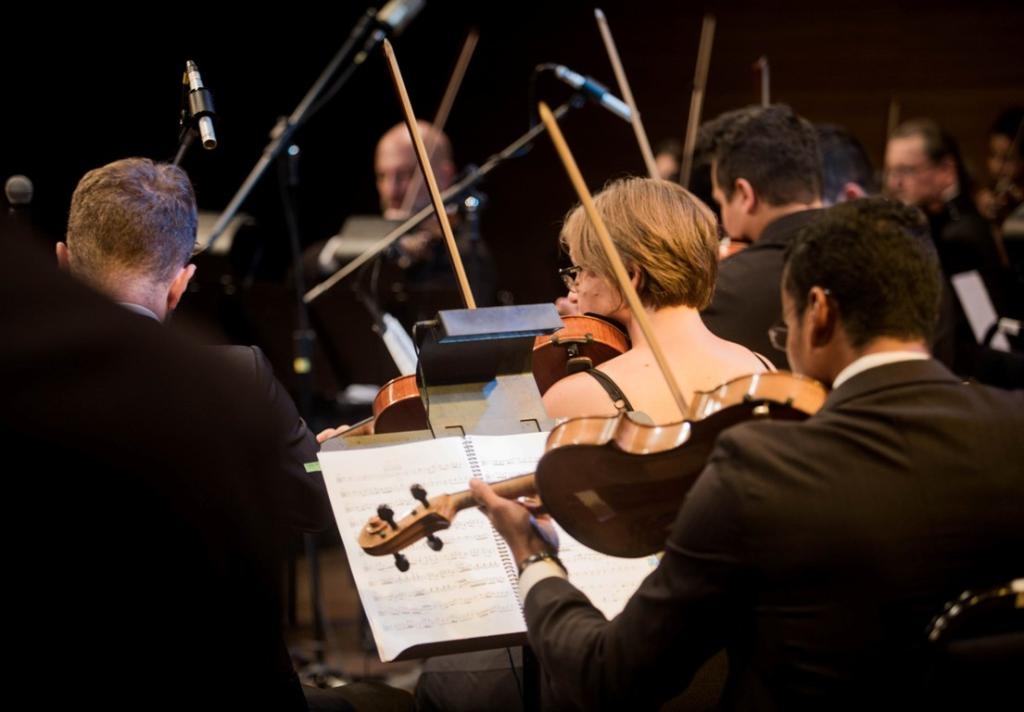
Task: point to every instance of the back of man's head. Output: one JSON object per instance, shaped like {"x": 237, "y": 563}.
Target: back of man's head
{"x": 875, "y": 258}
{"x": 846, "y": 168}
{"x": 134, "y": 218}
{"x": 771, "y": 147}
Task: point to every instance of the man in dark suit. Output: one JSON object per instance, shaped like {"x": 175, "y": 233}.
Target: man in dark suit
{"x": 766, "y": 178}
{"x": 147, "y": 577}
{"x": 814, "y": 552}
{"x": 131, "y": 232}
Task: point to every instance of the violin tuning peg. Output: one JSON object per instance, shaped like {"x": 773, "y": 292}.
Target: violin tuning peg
{"x": 420, "y": 494}
{"x": 401, "y": 562}
{"x": 387, "y": 514}
{"x": 434, "y": 542}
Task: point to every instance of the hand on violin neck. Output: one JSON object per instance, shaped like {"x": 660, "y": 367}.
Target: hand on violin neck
{"x": 525, "y": 532}
{"x": 328, "y": 433}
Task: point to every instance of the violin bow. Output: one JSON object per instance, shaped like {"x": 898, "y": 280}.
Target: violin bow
{"x": 618, "y": 267}
{"x": 700, "y": 77}
{"x": 627, "y": 93}
{"x": 445, "y": 108}
{"x": 762, "y": 67}
{"x": 428, "y": 174}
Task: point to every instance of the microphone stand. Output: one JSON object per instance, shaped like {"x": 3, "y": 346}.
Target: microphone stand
{"x": 304, "y": 338}
{"x": 282, "y": 135}
{"x": 454, "y": 191}
{"x": 188, "y": 135}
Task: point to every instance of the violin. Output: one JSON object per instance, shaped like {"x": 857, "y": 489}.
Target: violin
{"x": 616, "y": 485}
{"x": 397, "y": 408}
{"x": 584, "y": 342}
{"x": 613, "y": 484}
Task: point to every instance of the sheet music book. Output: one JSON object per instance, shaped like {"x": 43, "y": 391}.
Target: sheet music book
{"x": 463, "y": 597}
{"x": 977, "y": 304}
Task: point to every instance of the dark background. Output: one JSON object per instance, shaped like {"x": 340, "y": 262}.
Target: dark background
{"x": 87, "y": 87}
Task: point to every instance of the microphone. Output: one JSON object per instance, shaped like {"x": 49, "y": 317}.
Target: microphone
{"x": 18, "y": 190}
{"x": 398, "y": 13}
{"x": 391, "y": 20}
{"x": 593, "y": 89}
{"x": 200, "y": 105}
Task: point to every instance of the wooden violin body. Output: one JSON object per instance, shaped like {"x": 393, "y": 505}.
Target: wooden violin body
{"x": 397, "y": 408}
{"x": 584, "y": 342}
{"x": 616, "y": 485}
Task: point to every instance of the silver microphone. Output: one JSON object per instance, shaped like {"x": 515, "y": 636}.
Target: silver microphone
{"x": 18, "y": 190}
{"x": 595, "y": 90}
{"x": 391, "y": 20}
{"x": 200, "y": 104}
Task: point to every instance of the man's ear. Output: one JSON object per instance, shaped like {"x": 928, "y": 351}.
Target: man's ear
{"x": 852, "y": 191}
{"x": 947, "y": 169}
{"x": 445, "y": 171}
{"x": 63, "y": 256}
{"x": 179, "y": 285}
{"x": 824, "y": 316}
{"x": 747, "y": 195}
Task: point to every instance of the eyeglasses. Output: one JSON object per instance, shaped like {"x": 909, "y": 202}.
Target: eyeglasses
{"x": 778, "y": 331}
{"x": 570, "y": 275}
{"x": 777, "y": 334}
{"x": 907, "y": 171}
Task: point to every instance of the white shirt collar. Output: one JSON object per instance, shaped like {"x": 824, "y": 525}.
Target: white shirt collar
{"x": 881, "y": 358}
{"x": 139, "y": 309}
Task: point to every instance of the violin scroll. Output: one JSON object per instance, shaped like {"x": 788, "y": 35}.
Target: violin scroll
{"x": 382, "y": 535}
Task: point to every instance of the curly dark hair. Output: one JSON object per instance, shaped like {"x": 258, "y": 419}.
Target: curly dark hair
{"x": 876, "y": 258}
{"x": 843, "y": 160}
{"x": 771, "y": 147}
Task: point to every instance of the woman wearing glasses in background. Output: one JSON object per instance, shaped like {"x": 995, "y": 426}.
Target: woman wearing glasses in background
{"x": 668, "y": 240}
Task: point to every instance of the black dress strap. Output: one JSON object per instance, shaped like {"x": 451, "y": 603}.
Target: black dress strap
{"x": 764, "y": 362}
{"x": 618, "y": 397}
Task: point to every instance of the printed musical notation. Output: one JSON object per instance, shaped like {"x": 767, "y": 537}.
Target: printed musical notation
{"x": 462, "y": 591}
{"x": 467, "y": 591}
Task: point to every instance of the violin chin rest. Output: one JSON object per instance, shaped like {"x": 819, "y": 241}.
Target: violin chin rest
{"x": 578, "y": 363}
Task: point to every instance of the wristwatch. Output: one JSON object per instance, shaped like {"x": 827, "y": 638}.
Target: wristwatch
{"x": 541, "y": 556}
